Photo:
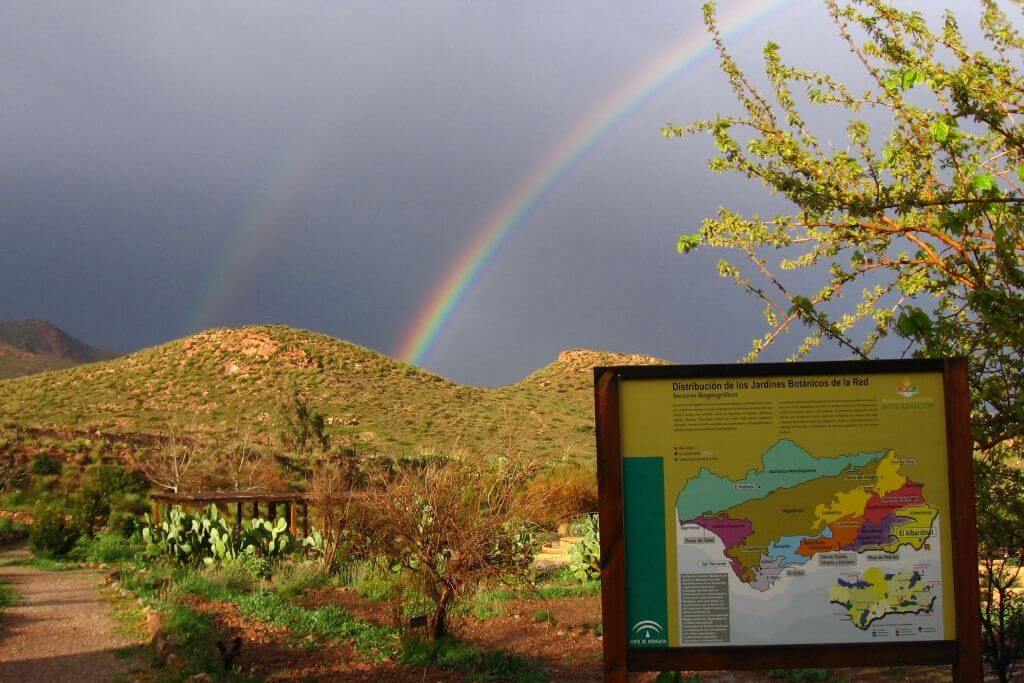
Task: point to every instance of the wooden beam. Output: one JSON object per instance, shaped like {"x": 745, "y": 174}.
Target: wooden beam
{"x": 613, "y": 554}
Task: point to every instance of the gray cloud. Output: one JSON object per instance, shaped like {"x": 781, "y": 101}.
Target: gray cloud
{"x": 330, "y": 159}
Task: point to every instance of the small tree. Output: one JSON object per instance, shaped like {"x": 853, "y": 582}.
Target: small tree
{"x": 244, "y": 466}
{"x": 925, "y": 217}
{"x": 301, "y": 426}
{"x": 175, "y": 464}
{"x": 451, "y": 525}
{"x": 331, "y": 489}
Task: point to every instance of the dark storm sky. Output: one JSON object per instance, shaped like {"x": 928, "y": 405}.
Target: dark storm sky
{"x": 166, "y": 167}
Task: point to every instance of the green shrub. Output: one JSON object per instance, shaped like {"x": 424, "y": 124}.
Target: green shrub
{"x": 127, "y": 515}
{"x": 585, "y": 554}
{"x": 106, "y": 548}
{"x": 373, "y": 579}
{"x": 102, "y": 487}
{"x": 12, "y": 530}
{"x": 291, "y": 580}
{"x": 53, "y": 531}
{"x": 44, "y": 463}
{"x": 237, "y": 573}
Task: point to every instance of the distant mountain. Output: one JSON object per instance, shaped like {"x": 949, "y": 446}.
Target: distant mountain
{"x": 34, "y": 345}
{"x": 226, "y": 381}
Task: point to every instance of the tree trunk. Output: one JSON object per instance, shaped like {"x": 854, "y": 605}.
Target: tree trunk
{"x": 438, "y": 625}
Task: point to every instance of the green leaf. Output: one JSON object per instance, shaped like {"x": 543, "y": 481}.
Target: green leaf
{"x": 913, "y": 322}
{"x": 688, "y": 243}
{"x": 983, "y": 182}
{"x": 910, "y": 78}
{"x": 905, "y": 326}
{"x": 939, "y": 131}
{"x": 921, "y": 320}
{"x": 801, "y": 306}
{"x": 1020, "y": 172}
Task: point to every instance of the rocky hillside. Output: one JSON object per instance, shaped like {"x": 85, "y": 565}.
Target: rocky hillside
{"x": 29, "y": 346}
{"x": 227, "y": 381}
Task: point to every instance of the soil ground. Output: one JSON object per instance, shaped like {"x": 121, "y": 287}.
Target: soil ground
{"x": 60, "y": 629}
{"x": 566, "y": 640}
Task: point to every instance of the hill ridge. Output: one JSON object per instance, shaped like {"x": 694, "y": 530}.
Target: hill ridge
{"x": 36, "y": 345}
{"x": 230, "y": 380}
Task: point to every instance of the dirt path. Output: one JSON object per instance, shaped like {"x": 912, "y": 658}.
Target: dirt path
{"x": 60, "y": 630}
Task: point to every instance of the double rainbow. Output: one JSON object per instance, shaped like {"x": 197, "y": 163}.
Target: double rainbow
{"x": 465, "y": 271}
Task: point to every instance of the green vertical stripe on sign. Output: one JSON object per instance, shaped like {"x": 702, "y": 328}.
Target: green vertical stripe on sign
{"x": 643, "y": 490}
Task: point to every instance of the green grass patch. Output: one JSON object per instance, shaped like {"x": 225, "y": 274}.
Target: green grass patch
{"x": 481, "y": 665}
{"x": 801, "y": 675}
{"x": 587, "y": 589}
{"x": 8, "y": 596}
{"x": 330, "y": 622}
{"x": 327, "y": 622}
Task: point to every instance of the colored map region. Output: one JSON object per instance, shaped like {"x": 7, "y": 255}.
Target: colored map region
{"x": 876, "y": 594}
{"x": 797, "y": 506}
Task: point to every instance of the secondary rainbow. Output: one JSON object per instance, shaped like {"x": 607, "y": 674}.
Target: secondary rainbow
{"x": 465, "y": 271}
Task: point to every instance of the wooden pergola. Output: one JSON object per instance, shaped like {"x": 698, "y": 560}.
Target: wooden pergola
{"x": 292, "y": 501}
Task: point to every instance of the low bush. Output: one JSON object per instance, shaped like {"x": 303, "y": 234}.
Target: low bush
{"x": 44, "y": 463}
{"x": 53, "y": 532}
{"x": 127, "y": 515}
{"x": 106, "y": 548}
{"x": 103, "y": 487}
{"x": 12, "y": 530}
{"x": 373, "y": 579}
{"x": 585, "y": 554}
{"x": 570, "y": 490}
{"x": 291, "y": 580}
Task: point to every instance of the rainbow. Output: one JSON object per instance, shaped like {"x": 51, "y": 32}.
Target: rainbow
{"x": 465, "y": 271}
{"x": 251, "y": 241}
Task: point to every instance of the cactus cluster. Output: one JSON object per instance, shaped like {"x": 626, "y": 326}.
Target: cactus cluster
{"x": 210, "y": 538}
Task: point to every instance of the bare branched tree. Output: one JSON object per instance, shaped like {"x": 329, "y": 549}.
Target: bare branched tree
{"x": 173, "y": 465}
{"x": 331, "y": 488}
{"x": 453, "y": 524}
{"x": 244, "y": 466}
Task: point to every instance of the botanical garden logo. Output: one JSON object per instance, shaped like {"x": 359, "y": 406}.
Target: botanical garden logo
{"x": 648, "y": 632}
{"x": 906, "y": 388}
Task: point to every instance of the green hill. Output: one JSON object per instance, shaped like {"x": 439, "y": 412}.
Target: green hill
{"x": 30, "y": 346}
{"x": 226, "y": 381}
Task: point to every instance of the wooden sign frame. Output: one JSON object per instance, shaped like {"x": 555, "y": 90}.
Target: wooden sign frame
{"x": 964, "y": 653}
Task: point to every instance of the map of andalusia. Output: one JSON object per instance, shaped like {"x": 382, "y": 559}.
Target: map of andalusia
{"x": 797, "y": 506}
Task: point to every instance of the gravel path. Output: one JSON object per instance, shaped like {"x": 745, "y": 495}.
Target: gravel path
{"x": 60, "y": 630}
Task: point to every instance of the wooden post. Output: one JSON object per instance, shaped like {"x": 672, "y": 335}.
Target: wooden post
{"x": 960, "y": 453}
{"x": 238, "y": 512}
{"x": 613, "y": 553}
{"x": 272, "y": 510}
{"x": 255, "y": 509}
{"x": 305, "y": 517}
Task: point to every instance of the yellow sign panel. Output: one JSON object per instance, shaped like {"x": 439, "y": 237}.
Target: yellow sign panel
{"x": 791, "y": 509}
